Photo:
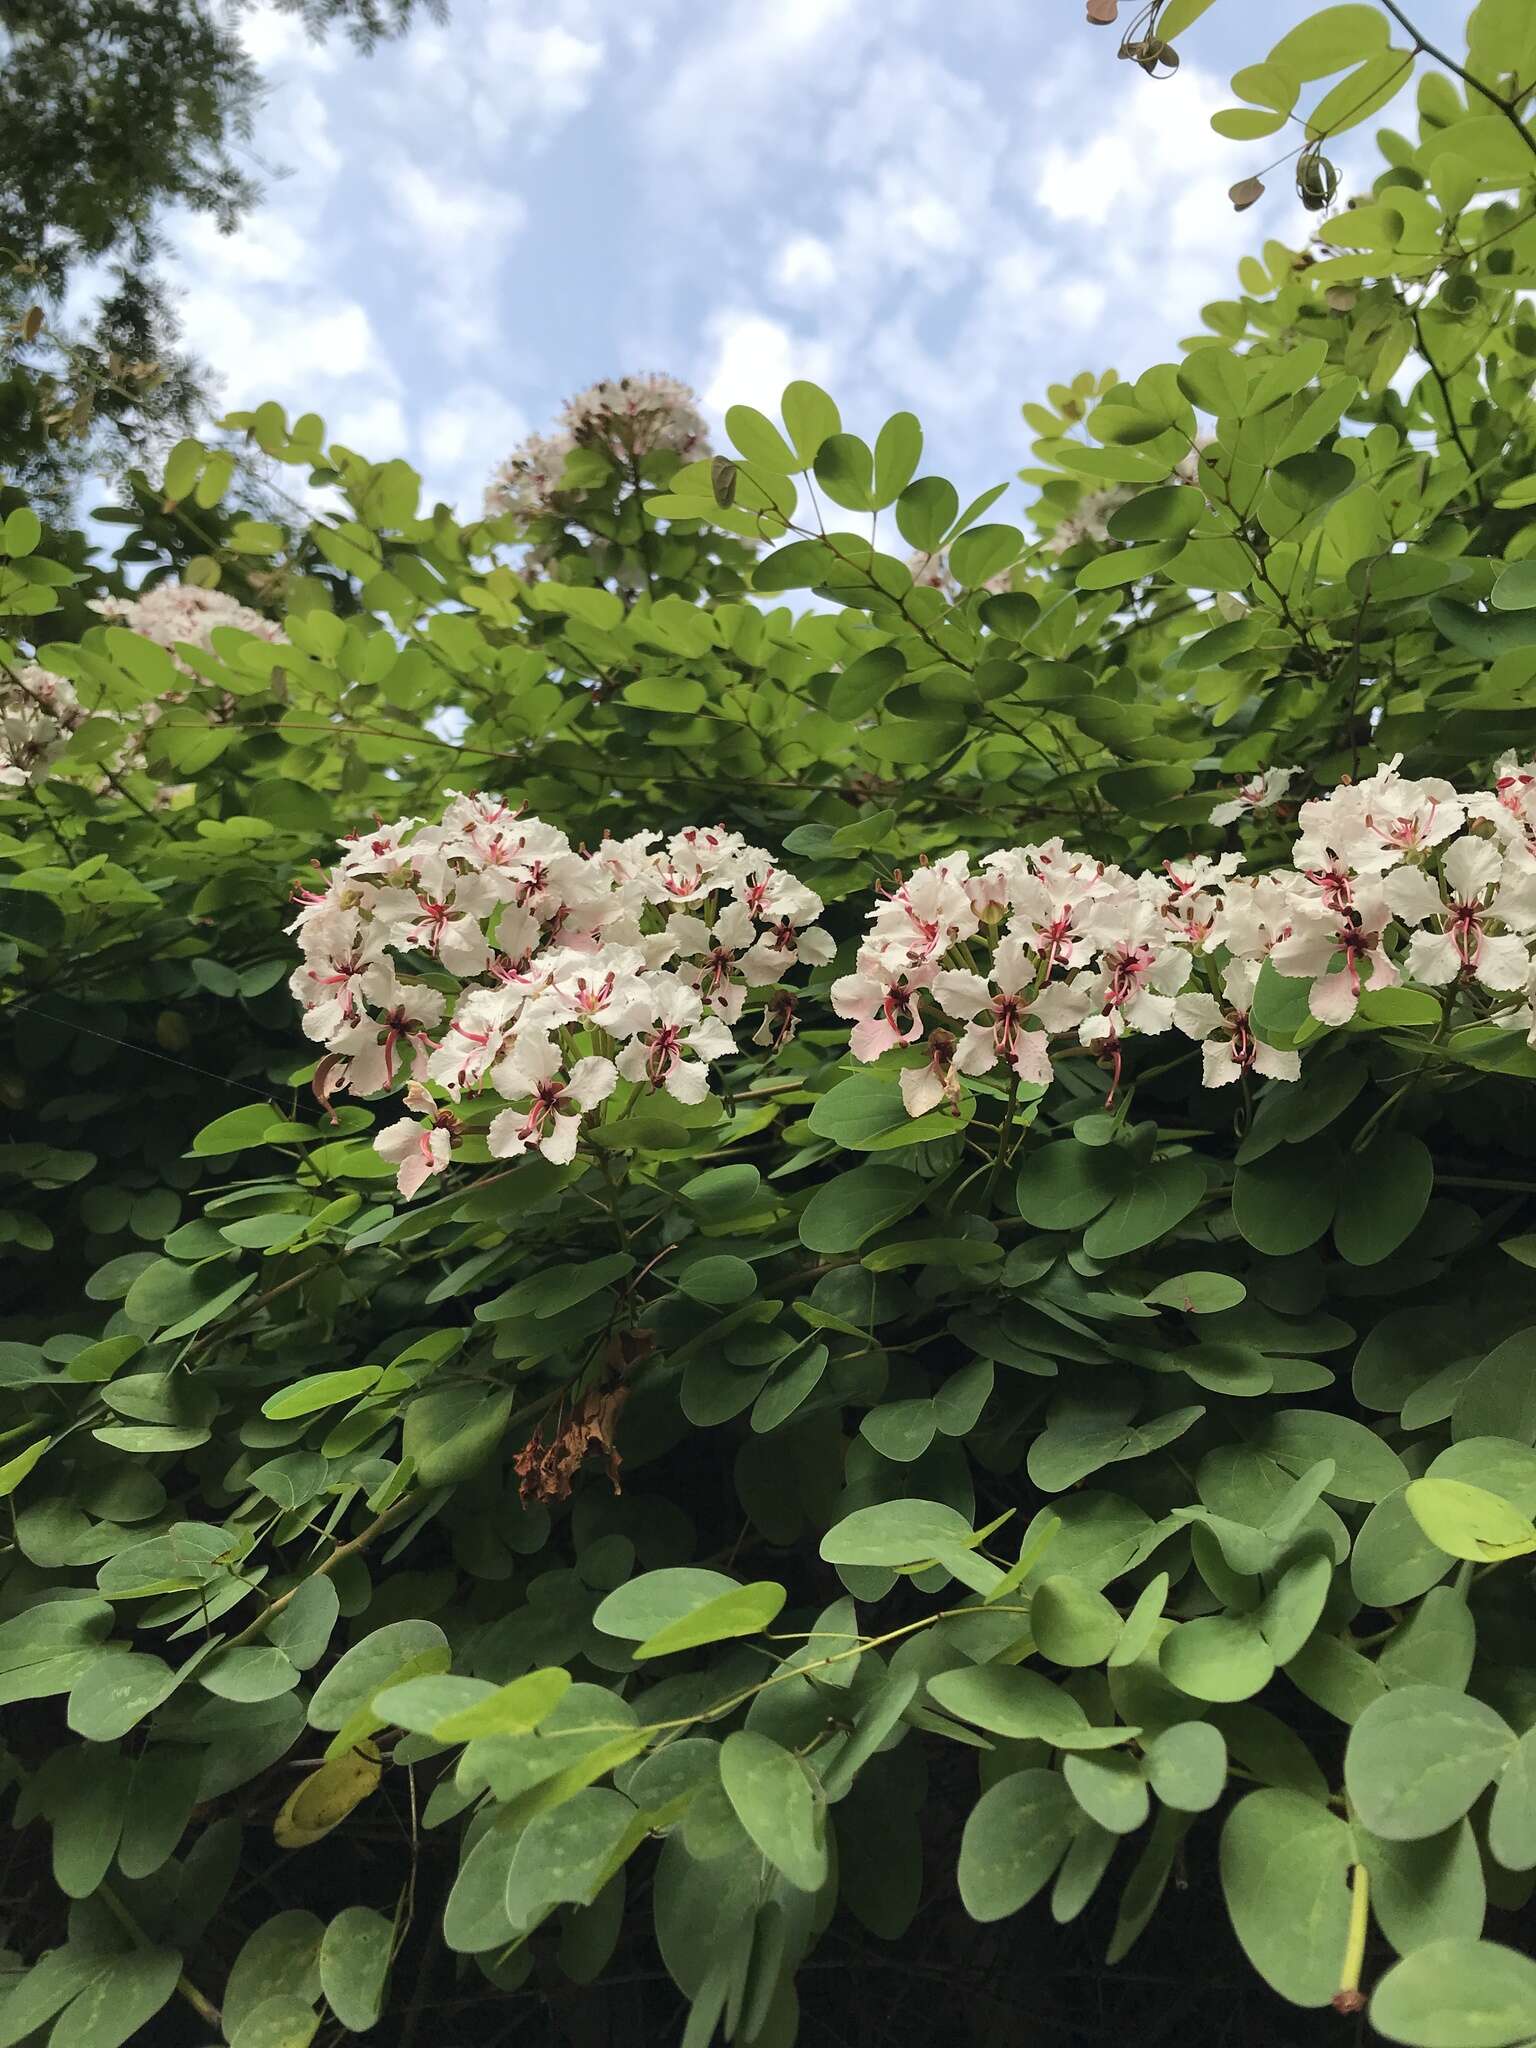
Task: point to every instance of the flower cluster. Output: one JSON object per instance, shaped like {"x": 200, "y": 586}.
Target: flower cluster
{"x": 1390, "y": 879}
{"x": 932, "y": 572}
{"x": 629, "y": 417}
{"x": 485, "y": 953}
{"x": 172, "y": 613}
{"x": 38, "y": 713}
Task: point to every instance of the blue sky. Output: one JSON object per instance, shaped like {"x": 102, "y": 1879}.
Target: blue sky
{"x": 938, "y": 207}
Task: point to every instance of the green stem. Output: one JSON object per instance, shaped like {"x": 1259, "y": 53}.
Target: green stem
{"x": 205, "y": 2009}
{"x": 1348, "y": 1997}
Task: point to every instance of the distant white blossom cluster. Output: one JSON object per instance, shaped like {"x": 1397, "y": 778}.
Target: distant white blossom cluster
{"x": 629, "y": 417}
{"x": 555, "y": 973}
{"x": 172, "y": 614}
{"x": 1391, "y": 879}
{"x": 931, "y": 571}
{"x": 38, "y": 713}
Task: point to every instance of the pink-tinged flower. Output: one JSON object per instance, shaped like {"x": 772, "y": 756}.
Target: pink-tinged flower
{"x": 774, "y": 897}
{"x": 885, "y": 1005}
{"x": 924, "y": 1088}
{"x": 341, "y": 953}
{"x": 1189, "y": 893}
{"x": 596, "y": 991}
{"x": 409, "y": 1012}
{"x": 440, "y": 916}
{"x": 996, "y": 1015}
{"x": 1064, "y": 906}
{"x": 1475, "y": 893}
{"x": 720, "y": 960}
{"x": 927, "y": 913}
{"x": 1229, "y": 1046}
{"x": 674, "y": 1049}
{"x": 1318, "y": 935}
{"x": 419, "y": 1150}
{"x": 1138, "y": 975}
{"x": 1255, "y": 914}
{"x": 780, "y": 1020}
{"x": 551, "y": 1121}
{"x": 1510, "y": 807}
{"x": 1367, "y": 827}
{"x": 1258, "y": 793}
{"x": 482, "y": 1032}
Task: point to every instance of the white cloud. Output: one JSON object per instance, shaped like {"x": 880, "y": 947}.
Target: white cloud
{"x": 804, "y": 266}
{"x": 461, "y": 440}
{"x": 374, "y": 427}
{"x": 753, "y": 358}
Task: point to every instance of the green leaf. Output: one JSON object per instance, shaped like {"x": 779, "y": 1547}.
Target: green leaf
{"x": 1109, "y": 1788}
{"x": 1284, "y": 1202}
{"x": 895, "y": 1532}
{"x": 1457, "y": 1994}
{"x": 1186, "y": 1766}
{"x": 1356, "y": 97}
{"x": 370, "y": 1665}
{"x": 1515, "y": 590}
{"x": 354, "y": 1966}
{"x": 321, "y": 1390}
{"x": 1385, "y": 1191}
{"x": 845, "y": 469}
{"x": 925, "y": 511}
{"x": 1469, "y": 1522}
{"x": 898, "y": 450}
{"x": 865, "y": 1113}
{"x": 119, "y": 2001}
{"x": 646, "y": 1606}
{"x": 759, "y": 441}
{"x": 1329, "y": 40}
{"x": 1512, "y": 1818}
{"x": 811, "y": 417}
{"x": 1005, "y": 1700}
{"x": 844, "y": 1212}
{"x": 1219, "y": 1657}
{"x": 1285, "y": 1863}
{"x": 771, "y": 1796}
{"x": 1424, "y": 1891}
{"x": 976, "y": 557}
{"x": 1418, "y": 1757}
{"x": 1015, "y": 1836}
{"x": 745, "y": 1611}
{"x": 1072, "y": 1625}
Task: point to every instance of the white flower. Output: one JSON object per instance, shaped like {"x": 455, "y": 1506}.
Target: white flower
{"x": 1369, "y": 826}
{"x": 552, "y": 1121}
{"x": 38, "y": 713}
{"x": 1230, "y": 1047}
{"x": 996, "y": 1015}
{"x": 673, "y": 1050}
{"x": 1258, "y": 793}
{"x": 418, "y": 1150}
{"x": 1475, "y": 893}
{"x": 1318, "y": 934}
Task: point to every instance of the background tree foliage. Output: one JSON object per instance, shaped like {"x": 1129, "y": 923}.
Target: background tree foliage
{"x": 112, "y": 112}
{"x": 1014, "y": 1566}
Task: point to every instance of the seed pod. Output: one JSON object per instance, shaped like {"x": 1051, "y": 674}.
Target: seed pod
{"x": 1245, "y": 193}
{"x": 722, "y": 475}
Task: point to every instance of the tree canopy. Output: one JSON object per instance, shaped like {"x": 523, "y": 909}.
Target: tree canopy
{"x": 773, "y": 1243}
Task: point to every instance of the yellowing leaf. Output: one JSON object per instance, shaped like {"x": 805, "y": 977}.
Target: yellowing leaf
{"x": 1467, "y": 1521}
{"x": 325, "y": 1798}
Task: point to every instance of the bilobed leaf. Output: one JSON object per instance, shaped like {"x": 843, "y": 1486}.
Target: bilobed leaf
{"x": 772, "y": 1798}
{"x": 1329, "y": 40}
{"x": 1457, "y": 1994}
{"x": 1285, "y": 1864}
{"x": 1014, "y": 1837}
{"x": 744, "y": 1611}
{"x": 1419, "y": 1756}
{"x": 354, "y": 1965}
{"x": 1468, "y": 1521}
